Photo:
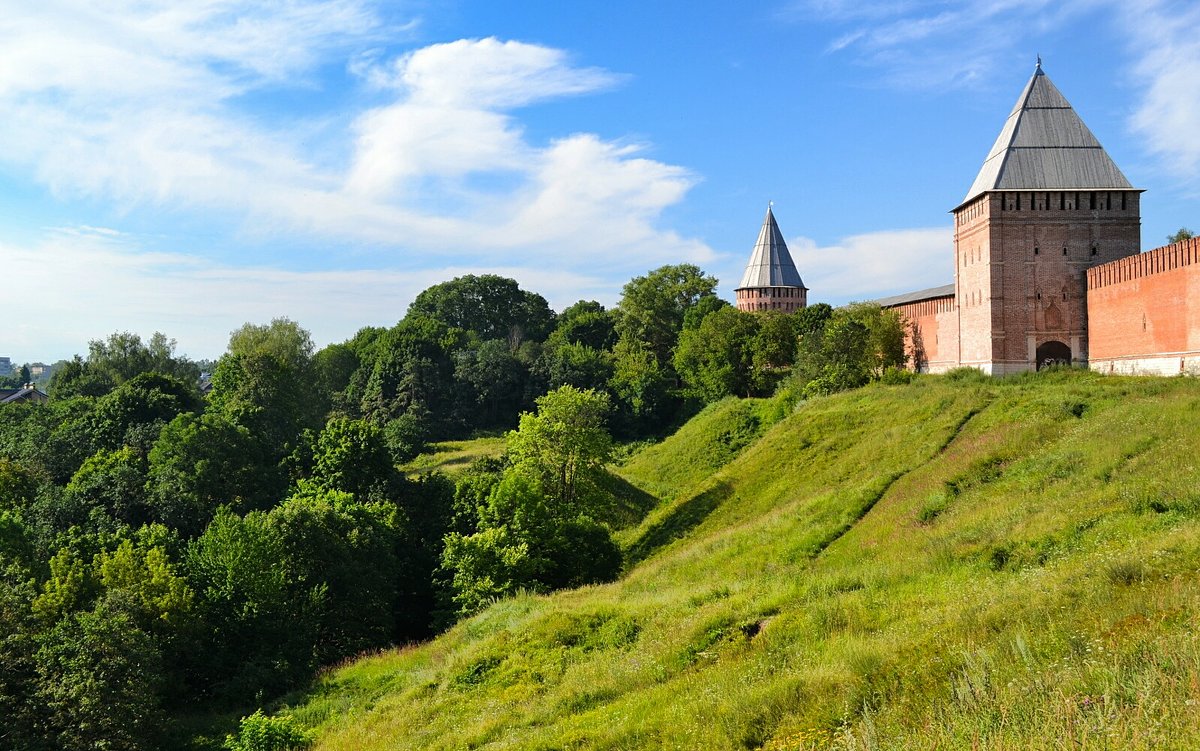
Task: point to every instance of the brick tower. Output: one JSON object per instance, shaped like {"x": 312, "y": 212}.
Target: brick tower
{"x": 771, "y": 281}
{"x": 1048, "y": 204}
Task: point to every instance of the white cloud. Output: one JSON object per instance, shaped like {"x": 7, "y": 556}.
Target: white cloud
{"x": 80, "y": 284}
{"x": 449, "y": 121}
{"x": 1168, "y": 116}
{"x": 491, "y": 74}
{"x": 593, "y": 196}
{"x": 875, "y": 264}
{"x": 150, "y": 103}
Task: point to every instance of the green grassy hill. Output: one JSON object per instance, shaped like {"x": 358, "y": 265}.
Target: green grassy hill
{"x": 948, "y": 564}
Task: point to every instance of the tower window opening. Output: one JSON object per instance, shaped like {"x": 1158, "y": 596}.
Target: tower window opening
{"x": 1094, "y": 250}
{"x": 1018, "y": 202}
{"x": 1064, "y": 250}
{"x": 1123, "y": 196}
{"x": 1108, "y": 201}
{"x": 1064, "y": 296}
{"x": 1039, "y": 295}
{"x": 1036, "y": 250}
{"x": 1092, "y": 201}
{"x": 1062, "y": 201}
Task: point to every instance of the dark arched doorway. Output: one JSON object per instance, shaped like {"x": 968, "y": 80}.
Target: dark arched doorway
{"x": 1053, "y": 353}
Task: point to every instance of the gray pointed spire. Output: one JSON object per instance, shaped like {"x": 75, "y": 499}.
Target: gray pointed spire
{"x": 770, "y": 264}
{"x": 1044, "y": 145}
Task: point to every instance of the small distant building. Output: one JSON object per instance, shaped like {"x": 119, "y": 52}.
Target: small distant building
{"x": 6, "y": 366}
{"x": 27, "y": 393}
{"x": 771, "y": 281}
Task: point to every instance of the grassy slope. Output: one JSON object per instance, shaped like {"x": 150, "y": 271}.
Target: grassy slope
{"x": 939, "y": 565}
{"x": 452, "y": 457}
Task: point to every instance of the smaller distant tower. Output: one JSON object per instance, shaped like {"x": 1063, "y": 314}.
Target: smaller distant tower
{"x": 771, "y": 281}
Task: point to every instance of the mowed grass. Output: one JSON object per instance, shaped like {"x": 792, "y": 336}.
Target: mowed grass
{"x": 945, "y": 564}
{"x": 451, "y": 457}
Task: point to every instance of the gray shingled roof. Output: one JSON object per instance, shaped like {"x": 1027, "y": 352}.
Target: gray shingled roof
{"x": 11, "y": 396}
{"x": 770, "y": 264}
{"x": 1044, "y": 145}
{"x": 946, "y": 290}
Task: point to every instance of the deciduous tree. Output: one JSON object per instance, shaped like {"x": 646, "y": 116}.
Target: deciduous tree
{"x": 1179, "y": 236}
{"x": 489, "y": 306}
{"x": 652, "y": 307}
{"x": 564, "y": 445}
{"x": 716, "y": 359}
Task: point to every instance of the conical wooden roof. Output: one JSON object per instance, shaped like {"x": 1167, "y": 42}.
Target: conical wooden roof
{"x": 770, "y": 264}
{"x": 1044, "y": 145}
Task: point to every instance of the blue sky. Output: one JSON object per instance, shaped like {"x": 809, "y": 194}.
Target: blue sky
{"x": 188, "y": 167}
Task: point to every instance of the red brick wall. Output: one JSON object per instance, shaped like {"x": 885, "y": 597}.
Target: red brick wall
{"x": 1144, "y": 311}
{"x": 932, "y": 334}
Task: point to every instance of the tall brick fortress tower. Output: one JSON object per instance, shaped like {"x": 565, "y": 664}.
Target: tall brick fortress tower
{"x": 1048, "y": 204}
{"x": 771, "y": 281}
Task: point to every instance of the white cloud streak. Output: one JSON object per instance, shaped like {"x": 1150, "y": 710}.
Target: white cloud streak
{"x": 928, "y": 44}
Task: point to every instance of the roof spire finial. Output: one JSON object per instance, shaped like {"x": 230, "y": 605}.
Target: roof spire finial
{"x": 1039, "y": 61}
{"x": 770, "y": 205}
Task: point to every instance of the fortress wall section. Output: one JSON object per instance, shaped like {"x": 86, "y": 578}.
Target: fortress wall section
{"x": 1144, "y": 312}
{"x": 931, "y": 333}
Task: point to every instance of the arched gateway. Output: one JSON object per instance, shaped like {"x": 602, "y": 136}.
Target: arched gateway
{"x": 1053, "y": 353}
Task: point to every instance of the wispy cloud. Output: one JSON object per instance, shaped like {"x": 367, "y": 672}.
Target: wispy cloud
{"x": 1168, "y": 115}
{"x": 922, "y": 44}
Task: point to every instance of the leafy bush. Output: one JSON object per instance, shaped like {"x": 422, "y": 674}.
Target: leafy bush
{"x": 260, "y": 732}
{"x": 893, "y": 376}
{"x": 407, "y": 435}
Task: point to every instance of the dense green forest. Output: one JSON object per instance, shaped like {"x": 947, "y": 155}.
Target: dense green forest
{"x": 172, "y": 552}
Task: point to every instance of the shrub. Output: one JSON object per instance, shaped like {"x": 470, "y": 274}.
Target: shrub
{"x": 259, "y": 732}
{"x": 897, "y": 376}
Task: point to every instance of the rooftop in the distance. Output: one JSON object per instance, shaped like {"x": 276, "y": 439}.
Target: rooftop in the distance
{"x": 946, "y": 290}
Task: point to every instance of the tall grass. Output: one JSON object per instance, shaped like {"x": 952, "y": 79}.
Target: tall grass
{"x": 951, "y": 563}
{"x": 451, "y": 457}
